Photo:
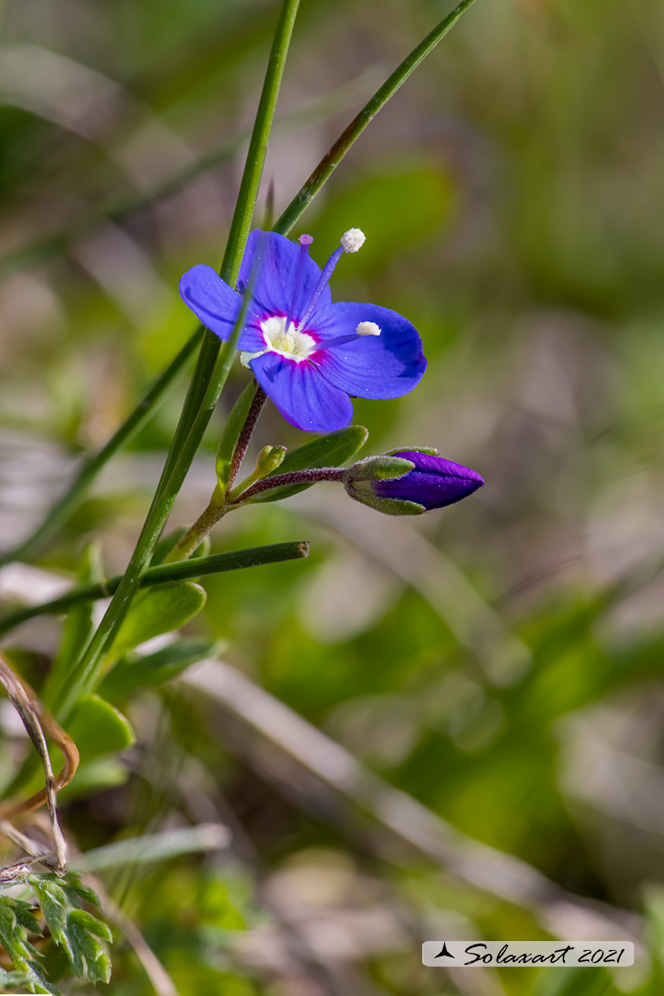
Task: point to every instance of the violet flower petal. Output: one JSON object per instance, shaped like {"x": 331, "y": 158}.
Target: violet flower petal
{"x": 434, "y": 483}
{"x": 211, "y": 299}
{"x": 278, "y": 264}
{"x": 388, "y": 365}
{"x": 305, "y": 399}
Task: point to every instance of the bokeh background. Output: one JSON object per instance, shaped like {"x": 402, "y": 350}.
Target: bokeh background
{"x": 488, "y": 673}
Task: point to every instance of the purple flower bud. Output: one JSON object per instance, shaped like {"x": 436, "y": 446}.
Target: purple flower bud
{"x": 433, "y": 483}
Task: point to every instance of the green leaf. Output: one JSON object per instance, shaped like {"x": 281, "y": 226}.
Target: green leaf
{"x": 77, "y": 891}
{"x": 88, "y": 955}
{"x": 13, "y": 937}
{"x": 96, "y": 776}
{"x": 24, "y": 916}
{"x": 88, "y": 922}
{"x": 331, "y": 450}
{"x": 14, "y": 980}
{"x": 19, "y": 950}
{"x": 97, "y": 728}
{"x": 130, "y": 676}
{"x": 161, "y": 609}
{"x": 53, "y": 901}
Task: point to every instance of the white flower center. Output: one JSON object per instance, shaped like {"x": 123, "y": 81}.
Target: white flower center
{"x": 289, "y": 342}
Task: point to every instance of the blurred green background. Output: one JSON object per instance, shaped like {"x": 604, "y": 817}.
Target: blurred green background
{"x": 497, "y": 662}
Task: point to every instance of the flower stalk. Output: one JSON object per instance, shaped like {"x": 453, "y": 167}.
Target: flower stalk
{"x": 257, "y": 405}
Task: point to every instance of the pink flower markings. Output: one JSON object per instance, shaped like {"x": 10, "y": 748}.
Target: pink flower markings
{"x": 308, "y": 354}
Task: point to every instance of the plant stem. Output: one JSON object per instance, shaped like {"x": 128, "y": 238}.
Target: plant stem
{"x": 184, "y": 571}
{"x": 331, "y": 159}
{"x": 245, "y": 436}
{"x": 206, "y": 385}
{"x": 218, "y": 505}
{"x": 312, "y": 475}
{"x": 203, "y": 525}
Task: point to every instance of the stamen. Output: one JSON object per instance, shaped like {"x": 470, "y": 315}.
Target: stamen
{"x": 305, "y": 241}
{"x": 323, "y": 281}
{"x": 351, "y": 241}
{"x": 368, "y": 328}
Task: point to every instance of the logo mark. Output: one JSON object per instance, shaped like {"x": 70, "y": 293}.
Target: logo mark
{"x": 445, "y": 953}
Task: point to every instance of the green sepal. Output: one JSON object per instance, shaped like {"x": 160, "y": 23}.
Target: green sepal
{"x": 163, "y": 608}
{"x": 389, "y": 506}
{"x": 98, "y": 728}
{"x": 330, "y": 450}
{"x": 427, "y": 450}
{"x": 231, "y": 434}
{"x": 380, "y": 468}
{"x": 131, "y": 675}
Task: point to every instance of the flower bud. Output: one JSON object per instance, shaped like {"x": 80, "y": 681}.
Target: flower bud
{"x": 269, "y": 458}
{"x": 433, "y": 482}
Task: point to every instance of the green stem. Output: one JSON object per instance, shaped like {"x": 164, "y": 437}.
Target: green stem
{"x": 35, "y": 543}
{"x": 183, "y": 571}
{"x": 206, "y": 385}
{"x": 331, "y": 159}
{"x": 201, "y": 528}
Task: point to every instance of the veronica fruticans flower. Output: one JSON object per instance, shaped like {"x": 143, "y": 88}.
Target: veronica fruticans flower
{"x": 308, "y": 354}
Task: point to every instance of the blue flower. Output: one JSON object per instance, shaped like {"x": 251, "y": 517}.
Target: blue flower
{"x": 433, "y": 482}
{"x": 307, "y": 353}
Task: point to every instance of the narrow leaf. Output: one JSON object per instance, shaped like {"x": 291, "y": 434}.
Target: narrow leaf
{"x": 97, "y": 728}
{"x": 130, "y": 676}
{"x": 164, "y": 608}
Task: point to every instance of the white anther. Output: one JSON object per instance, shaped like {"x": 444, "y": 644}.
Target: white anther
{"x": 352, "y": 240}
{"x": 368, "y": 328}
